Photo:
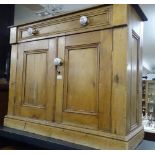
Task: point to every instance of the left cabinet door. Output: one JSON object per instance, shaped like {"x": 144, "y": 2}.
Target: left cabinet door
{"x": 35, "y": 80}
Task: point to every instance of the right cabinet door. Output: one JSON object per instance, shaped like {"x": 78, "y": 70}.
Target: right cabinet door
{"x": 84, "y": 80}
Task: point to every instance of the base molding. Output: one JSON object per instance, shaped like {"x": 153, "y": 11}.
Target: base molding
{"x": 91, "y": 139}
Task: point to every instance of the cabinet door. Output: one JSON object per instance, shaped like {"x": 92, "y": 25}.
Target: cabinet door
{"x": 35, "y": 80}
{"x": 84, "y": 81}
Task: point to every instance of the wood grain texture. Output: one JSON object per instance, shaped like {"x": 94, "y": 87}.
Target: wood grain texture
{"x": 134, "y": 81}
{"x": 12, "y": 83}
{"x": 105, "y": 81}
{"x": 81, "y": 81}
{"x": 34, "y": 74}
{"x": 51, "y": 80}
{"x": 120, "y": 17}
{"x": 75, "y": 136}
{"x": 133, "y": 143}
{"x": 119, "y": 88}
{"x": 74, "y": 128}
{"x": 35, "y": 87}
{"x": 85, "y": 92}
{"x": 97, "y": 18}
{"x": 83, "y": 120}
{"x": 135, "y": 33}
{"x": 60, "y": 83}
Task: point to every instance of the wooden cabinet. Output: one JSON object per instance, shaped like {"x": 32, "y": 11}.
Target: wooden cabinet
{"x": 92, "y": 97}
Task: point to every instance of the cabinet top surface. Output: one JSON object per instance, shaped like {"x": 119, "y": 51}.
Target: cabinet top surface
{"x": 135, "y": 6}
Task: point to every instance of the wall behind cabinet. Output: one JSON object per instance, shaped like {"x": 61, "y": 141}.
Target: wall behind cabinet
{"x": 6, "y": 19}
{"x": 26, "y": 13}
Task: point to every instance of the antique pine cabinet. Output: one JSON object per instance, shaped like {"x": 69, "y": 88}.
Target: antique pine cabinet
{"x": 91, "y": 95}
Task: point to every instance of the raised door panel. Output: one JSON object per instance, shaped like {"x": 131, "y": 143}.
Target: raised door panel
{"x": 134, "y": 80}
{"x": 36, "y": 80}
{"x": 85, "y": 95}
{"x": 35, "y": 71}
{"x": 81, "y": 80}
{"x": 80, "y": 98}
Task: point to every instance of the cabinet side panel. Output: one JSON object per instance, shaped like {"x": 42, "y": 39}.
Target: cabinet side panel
{"x": 134, "y": 82}
{"x": 134, "y": 70}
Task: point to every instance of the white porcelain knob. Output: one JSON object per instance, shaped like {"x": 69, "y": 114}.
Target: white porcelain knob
{"x": 32, "y": 31}
{"x": 84, "y": 20}
{"x": 58, "y": 61}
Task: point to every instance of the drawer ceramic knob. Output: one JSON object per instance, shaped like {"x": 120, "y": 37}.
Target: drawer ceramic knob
{"x": 84, "y": 20}
{"x": 32, "y": 31}
{"x": 58, "y": 62}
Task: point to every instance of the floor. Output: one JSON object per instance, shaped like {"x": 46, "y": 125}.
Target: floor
{"x": 7, "y": 144}
{"x": 146, "y": 145}
{"x": 12, "y": 139}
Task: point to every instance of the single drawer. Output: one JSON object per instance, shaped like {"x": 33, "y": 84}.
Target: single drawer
{"x": 80, "y": 21}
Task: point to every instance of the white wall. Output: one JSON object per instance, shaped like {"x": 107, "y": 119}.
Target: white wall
{"x": 150, "y": 76}
{"x": 23, "y": 15}
{"x": 149, "y": 36}
{"x": 145, "y": 71}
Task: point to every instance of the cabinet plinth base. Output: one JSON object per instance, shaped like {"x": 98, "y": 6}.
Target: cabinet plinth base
{"x": 86, "y": 137}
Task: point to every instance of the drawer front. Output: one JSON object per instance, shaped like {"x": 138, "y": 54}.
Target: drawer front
{"x": 100, "y": 17}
